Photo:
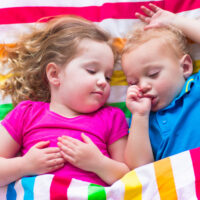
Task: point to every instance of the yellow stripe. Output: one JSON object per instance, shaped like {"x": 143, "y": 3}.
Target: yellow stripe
{"x": 196, "y": 66}
{"x": 133, "y": 187}
{"x": 4, "y": 77}
{"x": 186, "y": 89}
{"x": 165, "y": 179}
{"x": 118, "y": 78}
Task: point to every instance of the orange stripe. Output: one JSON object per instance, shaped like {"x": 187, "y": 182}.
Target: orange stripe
{"x": 165, "y": 179}
{"x": 3, "y": 49}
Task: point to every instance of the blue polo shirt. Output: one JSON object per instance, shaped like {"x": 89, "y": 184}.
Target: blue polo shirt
{"x": 176, "y": 128}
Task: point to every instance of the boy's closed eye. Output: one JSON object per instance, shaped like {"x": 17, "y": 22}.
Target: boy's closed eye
{"x": 153, "y": 73}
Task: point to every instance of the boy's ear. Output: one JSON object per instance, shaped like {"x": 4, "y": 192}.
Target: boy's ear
{"x": 52, "y": 72}
{"x": 187, "y": 65}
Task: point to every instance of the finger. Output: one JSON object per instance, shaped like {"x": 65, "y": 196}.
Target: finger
{"x": 57, "y": 161}
{"x": 86, "y": 139}
{"x": 154, "y": 7}
{"x": 42, "y": 144}
{"x": 54, "y": 156}
{"x": 151, "y": 26}
{"x": 68, "y": 139}
{"x": 147, "y": 11}
{"x": 67, "y": 143}
{"x": 55, "y": 167}
{"x": 51, "y": 150}
{"x": 142, "y": 17}
{"x": 68, "y": 158}
{"x": 66, "y": 150}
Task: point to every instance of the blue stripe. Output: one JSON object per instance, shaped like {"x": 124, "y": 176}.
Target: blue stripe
{"x": 11, "y": 193}
{"x": 28, "y": 185}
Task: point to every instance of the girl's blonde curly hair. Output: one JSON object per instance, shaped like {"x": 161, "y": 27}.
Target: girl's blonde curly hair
{"x": 57, "y": 41}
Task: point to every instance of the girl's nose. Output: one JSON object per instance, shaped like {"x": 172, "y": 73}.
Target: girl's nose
{"x": 101, "y": 82}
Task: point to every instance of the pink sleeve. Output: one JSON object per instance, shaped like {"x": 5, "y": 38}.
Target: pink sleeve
{"x": 15, "y": 120}
{"x": 118, "y": 125}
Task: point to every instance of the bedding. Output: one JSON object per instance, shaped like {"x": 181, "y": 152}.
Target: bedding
{"x": 176, "y": 177}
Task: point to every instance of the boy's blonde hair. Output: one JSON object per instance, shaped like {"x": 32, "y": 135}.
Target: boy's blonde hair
{"x": 57, "y": 41}
{"x": 170, "y": 36}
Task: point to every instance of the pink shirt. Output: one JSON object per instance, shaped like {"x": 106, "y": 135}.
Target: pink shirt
{"x": 32, "y": 122}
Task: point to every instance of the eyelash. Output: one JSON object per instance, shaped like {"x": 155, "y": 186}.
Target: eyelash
{"x": 154, "y": 75}
{"x": 108, "y": 79}
{"x": 91, "y": 71}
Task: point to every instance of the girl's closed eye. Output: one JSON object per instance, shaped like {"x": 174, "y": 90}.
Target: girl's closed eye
{"x": 108, "y": 79}
{"x": 91, "y": 71}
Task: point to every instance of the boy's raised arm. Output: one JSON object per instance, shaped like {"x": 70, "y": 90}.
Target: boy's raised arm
{"x": 157, "y": 17}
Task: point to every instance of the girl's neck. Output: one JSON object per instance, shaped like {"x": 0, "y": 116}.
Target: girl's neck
{"x": 63, "y": 110}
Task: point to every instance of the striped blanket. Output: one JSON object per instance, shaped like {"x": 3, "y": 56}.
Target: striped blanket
{"x": 176, "y": 177}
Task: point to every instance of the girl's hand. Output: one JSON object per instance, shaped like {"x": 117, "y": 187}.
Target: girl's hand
{"x": 42, "y": 159}
{"x": 136, "y": 102}
{"x": 155, "y": 16}
{"x": 84, "y": 155}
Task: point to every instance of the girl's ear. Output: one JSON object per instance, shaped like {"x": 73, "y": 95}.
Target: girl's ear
{"x": 52, "y": 72}
{"x": 187, "y": 65}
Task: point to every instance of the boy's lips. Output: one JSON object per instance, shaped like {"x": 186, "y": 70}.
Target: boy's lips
{"x": 154, "y": 99}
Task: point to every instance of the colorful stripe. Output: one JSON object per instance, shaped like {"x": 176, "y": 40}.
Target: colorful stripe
{"x": 11, "y": 193}
{"x": 165, "y": 179}
{"x": 28, "y": 185}
{"x": 96, "y": 192}
{"x": 59, "y": 186}
{"x": 180, "y": 5}
{"x": 122, "y": 10}
{"x": 183, "y": 175}
{"x": 176, "y": 177}
{"x": 133, "y": 186}
{"x": 196, "y": 163}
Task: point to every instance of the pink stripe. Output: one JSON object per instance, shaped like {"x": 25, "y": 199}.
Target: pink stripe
{"x": 59, "y": 187}
{"x": 195, "y": 155}
{"x": 181, "y": 5}
{"x": 93, "y": 13}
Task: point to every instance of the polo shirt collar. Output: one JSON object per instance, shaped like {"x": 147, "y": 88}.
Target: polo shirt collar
{"x": 186, "y": 88}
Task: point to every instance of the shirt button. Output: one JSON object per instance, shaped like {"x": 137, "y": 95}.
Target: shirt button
{"x": 164, "y": 121}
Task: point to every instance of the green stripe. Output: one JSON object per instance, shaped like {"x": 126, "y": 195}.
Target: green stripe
{"x": 122, "y": 106}
{"x": 96, "y": 192}
{"x": 5, "y": 109}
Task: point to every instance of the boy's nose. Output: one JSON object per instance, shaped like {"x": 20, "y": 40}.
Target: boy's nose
{"x": 145, "y": 87}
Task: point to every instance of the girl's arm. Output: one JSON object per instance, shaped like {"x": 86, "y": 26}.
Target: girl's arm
{"x": 86, "y": 156}
{"x": 112, "y": 169}
{"x": 157, "y": 17}
{"x": 38, "y": 159}
{"x": 138, "y": 150}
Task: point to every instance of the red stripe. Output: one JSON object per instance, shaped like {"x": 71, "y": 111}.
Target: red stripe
{"x": 195, "y": 155}
{"x": 93, "y": 13}
{"x": 181, "y": 5}
{"x": 58, "y": 189}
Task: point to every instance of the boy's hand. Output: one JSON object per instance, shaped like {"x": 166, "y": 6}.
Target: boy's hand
{"x": 136, "y": 102}
{"x": 84, "y": 155}
{"x": 42, "y": 159}
{"x": 155, "y": 16}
